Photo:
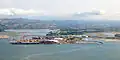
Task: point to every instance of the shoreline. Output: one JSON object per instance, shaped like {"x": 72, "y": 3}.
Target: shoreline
{"x": 112, "y": 40}
{"x": 107, "y": 40}
{"x": 4, "y": 35}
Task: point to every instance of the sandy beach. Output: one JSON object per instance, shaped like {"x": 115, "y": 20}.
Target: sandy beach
{"x": 111, "y": 40}
{"x": 3, "y": 35}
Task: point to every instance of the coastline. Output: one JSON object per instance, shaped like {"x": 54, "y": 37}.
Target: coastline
{"x": 107, "y": 40}
{"x": 3, "y": 35}
{"x": 6, "y": 36}
{"x": 111, "y": 40}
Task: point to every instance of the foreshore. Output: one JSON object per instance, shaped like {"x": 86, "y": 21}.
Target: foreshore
{"x": 111, "y": 40}
{"x": 4, "y": 36}
{"x": 107, "y": 40}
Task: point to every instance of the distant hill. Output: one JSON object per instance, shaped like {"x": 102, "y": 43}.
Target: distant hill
{"x": 61, "y": 23}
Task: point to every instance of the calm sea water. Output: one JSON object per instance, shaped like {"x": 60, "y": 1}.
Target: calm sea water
{"x": 106, "y": 51}
{"x": 31, "y": 31}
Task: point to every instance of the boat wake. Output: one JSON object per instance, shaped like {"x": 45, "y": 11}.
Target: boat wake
{"x": 51, "y": 53}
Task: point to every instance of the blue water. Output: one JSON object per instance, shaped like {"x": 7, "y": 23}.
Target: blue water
{"x": 107, "y": 51}
{"x": 30, "y": 31}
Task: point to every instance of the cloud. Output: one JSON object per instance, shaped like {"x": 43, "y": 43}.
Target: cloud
{"x": 97, "y": 15}
{"x": 91, "y": 13}
{"x": 41, "y": 14}
{"x": 5, "y": 12}
{"x": 13, "y": 11}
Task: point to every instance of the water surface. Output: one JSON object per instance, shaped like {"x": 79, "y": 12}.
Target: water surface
{"x": 107, "y": 51}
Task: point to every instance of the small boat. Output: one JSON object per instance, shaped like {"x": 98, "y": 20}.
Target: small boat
{"x": 95, "y": 41}
{"x": 99, "y": 42}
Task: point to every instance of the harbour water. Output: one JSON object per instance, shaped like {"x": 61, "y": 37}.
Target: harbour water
{"x": 30, "y": 31}
{"x": 106, "y": 51}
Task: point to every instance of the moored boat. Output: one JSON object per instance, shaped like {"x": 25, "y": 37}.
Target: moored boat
{"x": 25, "y": 42}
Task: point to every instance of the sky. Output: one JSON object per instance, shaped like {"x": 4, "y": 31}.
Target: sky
{"x": 59, "y": 7}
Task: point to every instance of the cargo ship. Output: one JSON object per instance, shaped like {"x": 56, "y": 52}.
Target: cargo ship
{"x": 25, "y": 41}
{"x": 34, "y": 42}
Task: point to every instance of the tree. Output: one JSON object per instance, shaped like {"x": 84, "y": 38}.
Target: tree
{"x": 2, "y": 27}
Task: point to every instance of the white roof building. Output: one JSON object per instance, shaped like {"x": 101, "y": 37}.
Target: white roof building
{"x": 58, "y": 38}
{"x": 54, "y": 41}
